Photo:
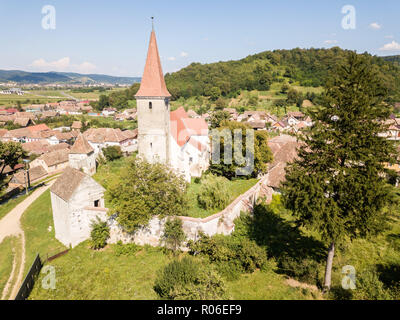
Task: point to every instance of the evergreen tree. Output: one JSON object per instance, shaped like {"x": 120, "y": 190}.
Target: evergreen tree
{"x": 337, "y": 185}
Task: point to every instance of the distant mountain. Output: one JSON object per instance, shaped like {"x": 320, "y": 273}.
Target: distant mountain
{"x": 24, "y": 77}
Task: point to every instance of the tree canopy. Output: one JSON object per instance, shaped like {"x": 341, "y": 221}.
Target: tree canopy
{"x": 337, "y": 185}
{"x": 259, "y": 152}
{"x": 11, "y": 153}
{"x": 143, "y": 190}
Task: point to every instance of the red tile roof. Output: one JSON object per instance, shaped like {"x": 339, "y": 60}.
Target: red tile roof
{"x": 81, "y": 146}
{"x": 153, "y": 83}
{"x": 182, "y": 127}
{"x": 39, "y": 127}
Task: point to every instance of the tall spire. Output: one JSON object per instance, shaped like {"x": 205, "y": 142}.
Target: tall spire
{"x": 153, "y": 83}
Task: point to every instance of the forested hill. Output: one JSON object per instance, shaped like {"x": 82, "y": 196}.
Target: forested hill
{"x": 24, "y": 77}
{"x": 395, "y": 59}
{"x": 306, "y": 67}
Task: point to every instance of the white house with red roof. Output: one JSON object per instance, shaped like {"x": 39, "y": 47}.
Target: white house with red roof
{"x": 164, "y": 136}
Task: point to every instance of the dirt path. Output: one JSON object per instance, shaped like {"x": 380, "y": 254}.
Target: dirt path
{"x": 10, "y": 225}
{"x": 9, "y": 281}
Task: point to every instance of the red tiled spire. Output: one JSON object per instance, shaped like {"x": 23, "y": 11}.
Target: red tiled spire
{"x": 153, "y": 83}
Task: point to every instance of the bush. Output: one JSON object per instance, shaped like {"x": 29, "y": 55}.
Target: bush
{"x": 174, "y": 235}
{"x": 305, "y": 270}
{"x": 214, "y": 193}
{"x": 99, "y": 235}
{"x": 112, "y": 153}
{"x": 243, "y": 257}
{"x": 369, "y": 287}
{"x": 128, "y": 249}
{"x": 189, "y": 279}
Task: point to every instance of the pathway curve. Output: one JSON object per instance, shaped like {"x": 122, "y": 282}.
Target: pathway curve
{"x": 10, "y": 225}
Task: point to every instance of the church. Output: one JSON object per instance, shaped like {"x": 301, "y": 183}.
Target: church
{"x": 166, "y": 136}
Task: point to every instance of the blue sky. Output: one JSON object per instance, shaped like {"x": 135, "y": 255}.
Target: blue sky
{"x": 111, "y": 37}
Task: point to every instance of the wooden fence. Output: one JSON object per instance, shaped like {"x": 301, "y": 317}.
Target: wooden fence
{"x": 30, "y": 278}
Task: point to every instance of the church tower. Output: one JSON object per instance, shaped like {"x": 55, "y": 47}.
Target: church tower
{"x": 82, "y": 156}
{"x": 153, "y": 109}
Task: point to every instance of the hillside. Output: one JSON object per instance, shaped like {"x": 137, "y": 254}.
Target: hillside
{"x": 395, "y": 59}
{"x": 24, "y": 77}
{"x": 304, "y": 67}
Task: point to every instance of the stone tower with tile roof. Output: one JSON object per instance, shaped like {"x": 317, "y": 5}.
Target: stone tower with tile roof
{"x": 153, "y": 110}
{"x": 82, "y": 156}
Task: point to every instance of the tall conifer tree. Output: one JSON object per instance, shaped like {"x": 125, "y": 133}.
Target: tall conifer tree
{"x": 337, "y": 185}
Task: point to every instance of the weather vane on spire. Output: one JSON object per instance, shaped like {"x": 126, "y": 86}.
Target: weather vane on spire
{"x": 152, "y": 23}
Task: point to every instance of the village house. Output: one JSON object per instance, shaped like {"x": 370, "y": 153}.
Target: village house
{"x": 23, "y": 178}
{"x": 42, "y": 146}
{"x": 76, "y": 125}
{"x": 53, "y": 162}
{"x": 107, "y": 112}
{"x": 284, "y": 150}
{"x": 257, "y": 125}
{"x": 100, "y": 138}
{"x": 232, "y": 112}
{"x": 76, "y": 201}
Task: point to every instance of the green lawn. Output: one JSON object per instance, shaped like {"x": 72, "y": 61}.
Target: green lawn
{"x": 86, "y": 274}
{"x": 266, "y": 286}
{"x": 10, "y": 204}
{"x": 39, "y": 238}
{"x": 6, "y": 260}
{"x": 236, "y": 188}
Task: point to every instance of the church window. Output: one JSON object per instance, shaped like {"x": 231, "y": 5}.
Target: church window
{"x": 166, "y": 104}
{"x": 150, "y": 105}
{"x": 97, "y": 203}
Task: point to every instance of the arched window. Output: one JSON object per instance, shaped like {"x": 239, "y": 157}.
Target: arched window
{"x": 166, "y": 104}
{"x": 150, "y": 105}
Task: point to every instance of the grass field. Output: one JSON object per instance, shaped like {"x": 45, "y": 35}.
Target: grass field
{"x": 86, "y": 274}
{"x": 6, "y": 260}
{"x": 236, "y": 188}
{"x": 37, "y": 223}
{"x": 10, "y": 204}
{"x": 46, "y": 96}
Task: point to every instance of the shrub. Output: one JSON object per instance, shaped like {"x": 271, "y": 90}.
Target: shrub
{"x": 214, "y": 193}
{"x": 369, "y": 287}
{"x": 305, "y": 270}
{"x": 112, "y": 153}
{"x": 174, "y": 235}
{"x": 99, "y": 234}
{"x": 189, "y": 279}
{"x": 244, "y": 256}
{"x": 125, "y": 249}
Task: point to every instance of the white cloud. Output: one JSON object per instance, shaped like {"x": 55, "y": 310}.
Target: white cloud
{"x": 330, "y": 41}
{"x": 184, "y": 54}
{"x": 57, "y": 65}
{"x": 63, "y": 64}
{"x": 171, "y": 58}
{"x": 85, "y": 67}
{"x": 392, "y": 46}
{"x": 375, "y": 26}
